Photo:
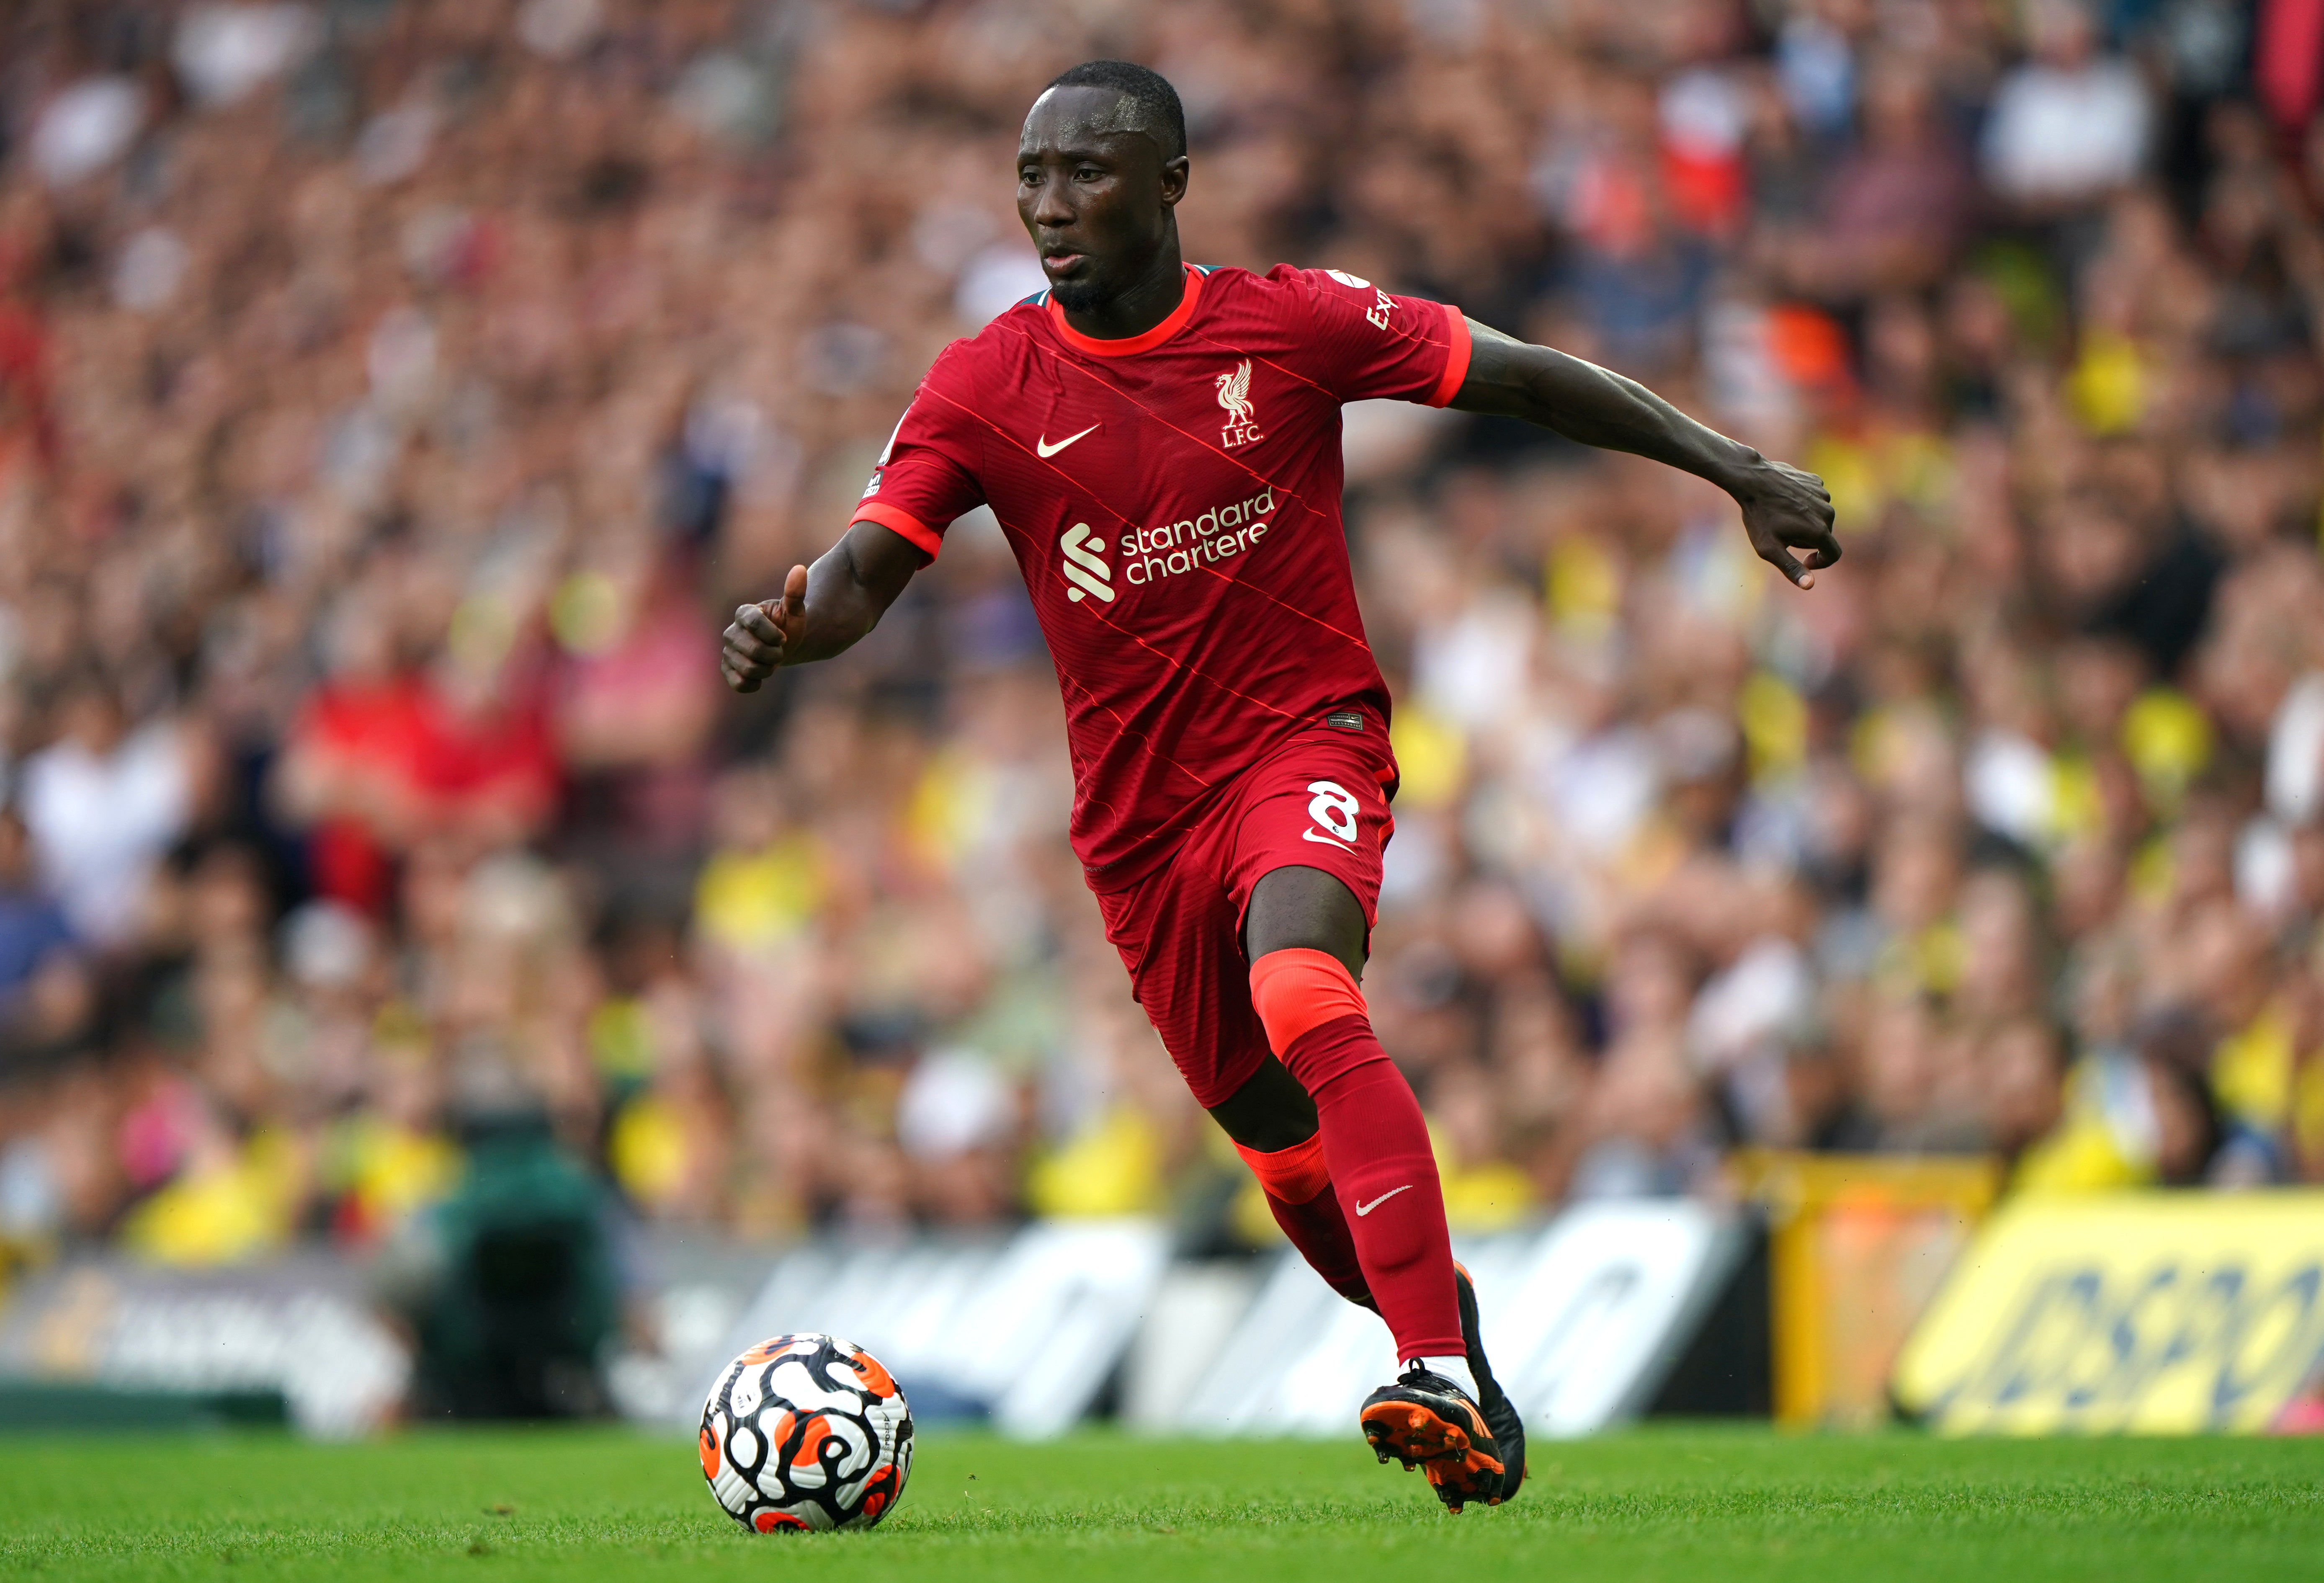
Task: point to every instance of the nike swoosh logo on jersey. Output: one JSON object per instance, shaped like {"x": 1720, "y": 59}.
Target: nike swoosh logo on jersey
{"x": 1047, "y": 450}
{"x": 1364, "y": 1210}
{"x": 1326, "y": 840}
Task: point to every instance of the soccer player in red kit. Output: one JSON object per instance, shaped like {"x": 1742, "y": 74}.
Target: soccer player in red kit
{"x": 1160, "y": 443}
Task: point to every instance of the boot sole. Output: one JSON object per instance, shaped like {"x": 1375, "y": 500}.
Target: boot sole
{"x": 1412, "y": 1433}
{"x": 1419, "y": 1438}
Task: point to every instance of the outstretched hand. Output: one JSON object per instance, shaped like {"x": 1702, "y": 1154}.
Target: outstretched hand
{"x": 761, "y": 634}
{"x": 1784, "y": 509}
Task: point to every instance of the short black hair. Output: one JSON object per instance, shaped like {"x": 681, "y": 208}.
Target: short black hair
{"x": 1159, "y": 113}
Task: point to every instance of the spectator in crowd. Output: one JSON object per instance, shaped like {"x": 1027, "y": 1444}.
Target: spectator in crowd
{"x": 32, "y": 927}
{"x": 103, "y": 802}
{"x": 2069, "y": 124}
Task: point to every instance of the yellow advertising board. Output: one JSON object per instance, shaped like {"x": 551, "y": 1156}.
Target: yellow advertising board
{"x": 2148, "y": 1313}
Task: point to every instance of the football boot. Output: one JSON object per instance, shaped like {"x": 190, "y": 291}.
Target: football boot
{"x": 1424, "y": 1420}
{"x": 1500, "y": 1413}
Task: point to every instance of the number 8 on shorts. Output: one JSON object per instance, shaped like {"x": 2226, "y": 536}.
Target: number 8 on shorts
{"x": 1333, "y": 810}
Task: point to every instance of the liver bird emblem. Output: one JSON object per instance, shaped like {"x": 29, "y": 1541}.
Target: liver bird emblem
{"x": 1234, "y": 393}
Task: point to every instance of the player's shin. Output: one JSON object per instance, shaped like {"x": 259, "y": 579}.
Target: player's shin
{"x": 1298, "y": 1188}
{"x": 1375, "y": 1144}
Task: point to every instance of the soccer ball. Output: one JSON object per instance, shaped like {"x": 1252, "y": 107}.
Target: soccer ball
{"x": 805, "y": 1432}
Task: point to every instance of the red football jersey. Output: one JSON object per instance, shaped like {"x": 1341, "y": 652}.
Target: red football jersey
{"x": 1173, "y": 502}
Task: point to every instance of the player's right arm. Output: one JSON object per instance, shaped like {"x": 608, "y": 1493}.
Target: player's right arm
{"x": 823, "y": 608}
{"x": 926, "y": 477}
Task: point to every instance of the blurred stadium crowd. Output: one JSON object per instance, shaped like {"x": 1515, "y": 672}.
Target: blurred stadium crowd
{"x": 394, "y": 396}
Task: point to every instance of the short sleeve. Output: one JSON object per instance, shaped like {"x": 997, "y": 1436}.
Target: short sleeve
{"x": 927, "y": 476}
{"x": 1369, "y": 344}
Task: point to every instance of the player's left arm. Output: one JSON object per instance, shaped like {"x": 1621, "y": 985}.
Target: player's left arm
{"x": 1783, "y": 507}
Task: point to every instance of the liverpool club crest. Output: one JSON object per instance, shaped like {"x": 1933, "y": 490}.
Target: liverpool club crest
{"x": 1234, "y": 396}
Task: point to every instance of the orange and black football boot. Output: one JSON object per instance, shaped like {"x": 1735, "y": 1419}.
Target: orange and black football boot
{"x": 1424, "y": 1420}
{"x": 1501, "y": 1414}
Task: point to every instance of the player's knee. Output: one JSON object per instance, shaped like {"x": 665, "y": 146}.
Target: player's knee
{"x": 1298, "y": 991}
{"x": 1314, "y": 1016}
{"x": 1269, "y": 1112}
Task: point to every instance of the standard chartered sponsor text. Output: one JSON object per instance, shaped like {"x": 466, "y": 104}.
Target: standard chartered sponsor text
{"x": 1216, "y": 535}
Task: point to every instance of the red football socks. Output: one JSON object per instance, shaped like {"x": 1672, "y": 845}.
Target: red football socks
{"x": 1384, "y": 1174}
{"x": 1375, "y": 1148}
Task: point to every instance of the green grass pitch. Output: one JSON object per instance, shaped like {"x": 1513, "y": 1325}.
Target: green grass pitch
{"x": 1691, "y": 1504}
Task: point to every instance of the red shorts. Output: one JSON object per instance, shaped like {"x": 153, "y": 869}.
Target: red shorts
{"x": 1318, "y": 799}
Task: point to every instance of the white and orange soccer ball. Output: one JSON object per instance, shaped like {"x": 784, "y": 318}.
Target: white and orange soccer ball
{"x": 805, "y": 1432}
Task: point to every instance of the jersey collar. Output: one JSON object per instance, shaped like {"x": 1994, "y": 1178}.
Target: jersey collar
{"x": 1130, "y": 345}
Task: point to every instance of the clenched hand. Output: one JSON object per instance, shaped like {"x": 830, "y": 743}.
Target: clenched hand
{"x": 1784, "y": 509}
{"x": 763, "y": 633}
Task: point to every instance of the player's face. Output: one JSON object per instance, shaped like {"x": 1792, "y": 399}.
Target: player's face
{"x": 1096, "y": 201}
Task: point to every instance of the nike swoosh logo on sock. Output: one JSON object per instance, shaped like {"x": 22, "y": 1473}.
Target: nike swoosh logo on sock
{"x": 1047, "y": 450}
{"x": 1364, "y": 1210}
